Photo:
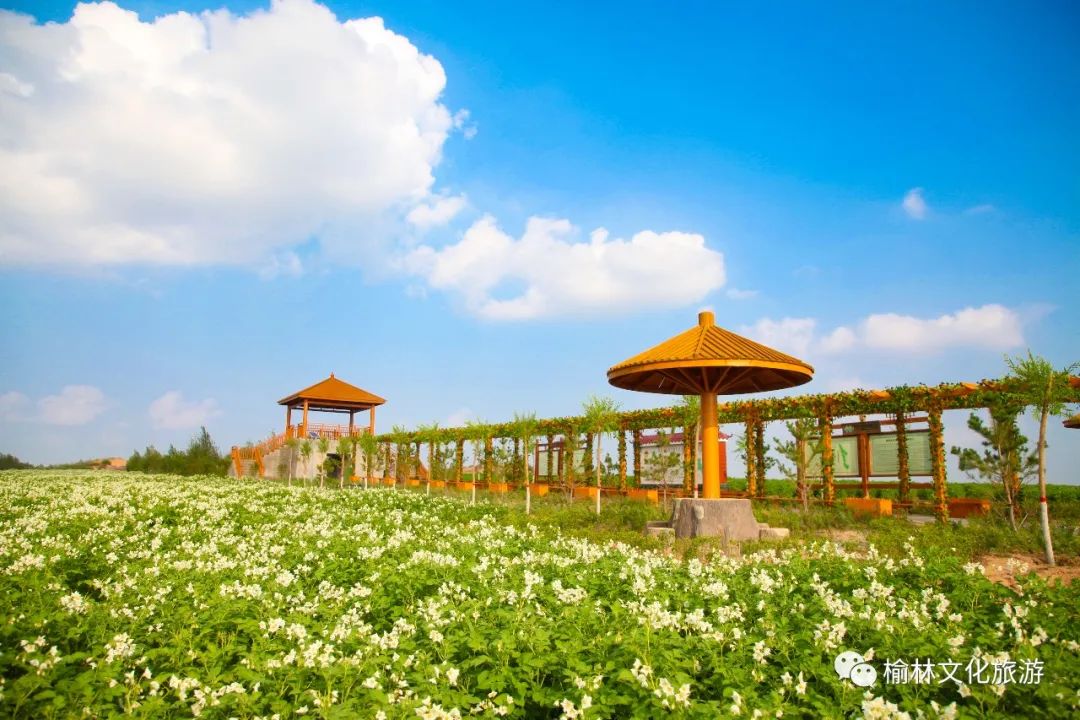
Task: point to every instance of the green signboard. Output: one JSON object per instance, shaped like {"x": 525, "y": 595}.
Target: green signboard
{"x": 885, "y": 460}
{"x": 845, "y": 452}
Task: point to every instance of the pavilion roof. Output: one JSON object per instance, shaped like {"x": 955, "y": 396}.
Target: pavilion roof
{"x": 1073, "y": 422}
{"x": 333, "y": 395}
{"x": 708, "y": 358}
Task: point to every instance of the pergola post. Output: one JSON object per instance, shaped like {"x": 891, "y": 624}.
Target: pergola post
{"x": 637, "y": 457}
{"x": 622, "y": 458}
{"x": 759, "y": 450}
{"x": 459, "y": 461}
{"x": 751, "y": 459}
{"x": 937, "y": 461}
{"x": 710, "y": 451}
{"x": 489, "y": 450}
{"x": 304, "y": 425}
{"x": 903, "y": 469}
{"x": 687, "y": 459}
{"x": 829, "y": 489}
{"x": 288, "y": 421}
{"x": 550, "y": 458}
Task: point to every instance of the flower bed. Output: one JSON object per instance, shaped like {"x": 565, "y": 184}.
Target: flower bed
{"x": 172, "y": 597}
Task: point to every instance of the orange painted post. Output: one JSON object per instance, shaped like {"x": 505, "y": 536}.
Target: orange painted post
{"x": 829, "y": 491}
{"x": 288, "y": 420}
{"x": 710, "y": 452}
{"x": 937, "y": 461}
{"x": 371, "y": 420}
{"x": 351, "y": 413}
{"x": 304, "y": 425}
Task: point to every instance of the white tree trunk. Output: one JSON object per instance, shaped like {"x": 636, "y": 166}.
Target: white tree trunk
{"x": 1044, "y": 513}
{"x": 525, "y": 467}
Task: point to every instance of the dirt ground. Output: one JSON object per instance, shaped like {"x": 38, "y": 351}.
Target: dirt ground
{"x": 1004, "y": 568}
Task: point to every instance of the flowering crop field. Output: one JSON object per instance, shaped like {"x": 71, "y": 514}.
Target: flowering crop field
{"x": 161, "y": 596}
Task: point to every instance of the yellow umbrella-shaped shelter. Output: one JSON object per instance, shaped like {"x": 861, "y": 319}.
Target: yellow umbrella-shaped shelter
{"x": 1073, "y": 422}
{"x": 707, "y": 360}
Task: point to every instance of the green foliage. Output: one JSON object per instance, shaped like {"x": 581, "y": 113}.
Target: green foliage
{"x": 10, "y": 462}
{"x": 201, "y": 458}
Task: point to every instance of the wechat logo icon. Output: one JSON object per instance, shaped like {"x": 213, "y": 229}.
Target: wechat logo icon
{"x": 852, "y": 666}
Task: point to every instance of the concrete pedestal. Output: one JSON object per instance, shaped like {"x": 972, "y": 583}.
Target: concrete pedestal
{"x": 730, "y": 518}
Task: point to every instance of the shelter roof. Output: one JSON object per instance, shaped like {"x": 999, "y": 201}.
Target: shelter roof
{"x": 1073, "y": 422}
{"x": 333, "y": 395}
{"x": 708, "y": 358}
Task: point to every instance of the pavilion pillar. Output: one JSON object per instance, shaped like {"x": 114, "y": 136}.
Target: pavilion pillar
{"x": 751, "y": 459}
{"x": 903, "y": 468}
{"x": 288, "y": 421}
{"x": 371, "y": 420}
{"x": 637, "y": 457}
{"x": 710, "y": 451}
{"x": 304, "y": 425}
{"x": 622, "y": 458}
{"x": 351, "y": 414}
{"x": 937, "y": 462}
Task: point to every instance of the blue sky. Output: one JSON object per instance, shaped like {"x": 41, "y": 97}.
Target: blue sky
{"x": 205, "y": 213}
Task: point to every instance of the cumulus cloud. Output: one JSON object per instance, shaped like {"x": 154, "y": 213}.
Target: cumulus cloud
{"x": 74, "y": 405}
{"x": 991, "y": 327}
{"x": 547, "y": 273}
{"x": 790, "y": 335}
{"x": 13, "y": 406}
{"x": 439, "y": 211}
{"x": 282, "y": 264}
{"x": 173, "y": 412}
{"x": 210, "y": 138}
{"x": 914, "y": 204}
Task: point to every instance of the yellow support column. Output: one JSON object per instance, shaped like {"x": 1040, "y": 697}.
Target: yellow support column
{"x": 710, "y": 450}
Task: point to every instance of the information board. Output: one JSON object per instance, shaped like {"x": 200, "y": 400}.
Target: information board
{"x": 885, "y": 460}
{"x": 845, "y": 451}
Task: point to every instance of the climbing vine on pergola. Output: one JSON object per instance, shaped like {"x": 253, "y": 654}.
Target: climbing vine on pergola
{"x": 899, "y": 402}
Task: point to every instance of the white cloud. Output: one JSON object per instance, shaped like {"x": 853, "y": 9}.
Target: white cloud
{"x": 790, "y": 335}
{"x": 914, "y": 203}
{"x": 75, "y": 405}
{"x": 737, "y": 294}
{"x": 439, "y": 211}
{"x": 209, "y": 138}
{"x": 545, "y": 273}
{"x": 173, "y": 412}
{"x": 462, "y": 123}
{"x": 839, "y": 340}
{"x": 992, "y": 327}
{"x": 844, "y": 384}
{"x": 13, "y": 406}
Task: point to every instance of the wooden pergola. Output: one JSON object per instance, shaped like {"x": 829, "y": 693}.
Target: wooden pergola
{"x": 329, "y": 395}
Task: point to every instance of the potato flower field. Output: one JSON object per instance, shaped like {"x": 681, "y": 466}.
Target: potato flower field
{"x": 160, "y": 597}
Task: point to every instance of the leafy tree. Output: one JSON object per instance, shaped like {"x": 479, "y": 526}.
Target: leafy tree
{"x": 661, "y": 462}
{"x": 10, "y": 462}
{"x": 305, "y": 453}
{"x": 803, "y": 432}
{"x": 601, "y": 416}
{"x": 525, "y": 427}
{"x": 689, "y": 409}
{"x": 324, "y": 448}
{"x": 292, "y": 444}
{"x": 1046, "y": 390}
{"x": 344, "y": 448}
{"x": 369, "y": 447}
{"x": 1005, "y": 458}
